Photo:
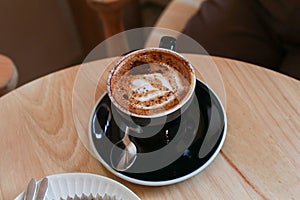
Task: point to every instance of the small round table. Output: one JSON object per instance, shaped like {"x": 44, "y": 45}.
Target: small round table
{"x": 260, "y": 158}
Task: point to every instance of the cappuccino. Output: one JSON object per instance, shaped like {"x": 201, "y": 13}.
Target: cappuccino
{"x": 150, "y": 82}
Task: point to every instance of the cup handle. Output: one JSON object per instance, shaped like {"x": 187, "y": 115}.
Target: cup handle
{"x": 168, "y": 42}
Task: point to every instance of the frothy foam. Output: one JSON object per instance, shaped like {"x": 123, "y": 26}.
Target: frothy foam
{"x": 149, "y": 86}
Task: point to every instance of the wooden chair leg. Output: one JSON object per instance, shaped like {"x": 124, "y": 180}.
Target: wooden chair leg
{"x": 110, "y": 13}
{"x": 8, "y": 75}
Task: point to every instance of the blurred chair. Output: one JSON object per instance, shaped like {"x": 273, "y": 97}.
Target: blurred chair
{"x": 8, "y": 75}
{"x": 110, "y": 13}
{"x": 174, "y": 17}
{"x": 45, "y": 36}
{"x": 279, "y": 52}
{"x": 177, "y": 14}
{"x": 112, "y": 16}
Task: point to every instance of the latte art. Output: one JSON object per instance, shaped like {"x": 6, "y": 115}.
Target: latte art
{"x": 150, "y": 84}
{"x": 148, "y": 91}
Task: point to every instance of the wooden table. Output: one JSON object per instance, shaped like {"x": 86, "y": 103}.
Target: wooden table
{"x": 260, "y": 158}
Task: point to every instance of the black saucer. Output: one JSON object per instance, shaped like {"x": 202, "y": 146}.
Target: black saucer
{"x": 208, "y": 136}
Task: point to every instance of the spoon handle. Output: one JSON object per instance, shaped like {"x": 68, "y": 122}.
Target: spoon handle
{"x": 31, "y": 190}
{"x": 42, "y": 189}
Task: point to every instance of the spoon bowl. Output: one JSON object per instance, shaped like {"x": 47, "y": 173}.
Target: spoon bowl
{"x": 123, "y": 154}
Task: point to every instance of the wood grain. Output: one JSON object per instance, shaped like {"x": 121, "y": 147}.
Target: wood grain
{"x": 260, "y": 158}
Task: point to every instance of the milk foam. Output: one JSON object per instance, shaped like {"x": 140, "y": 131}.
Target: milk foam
{"x": 153, "y": 83}
{"x": 147, "y": 92}
{"x": 157, "y": 88}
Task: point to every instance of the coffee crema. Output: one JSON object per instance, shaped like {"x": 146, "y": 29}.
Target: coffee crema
{"x": 150, "y": 82}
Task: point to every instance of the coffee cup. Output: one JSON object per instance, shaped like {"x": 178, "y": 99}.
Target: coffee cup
{"x": 151, "y": 86}
{"x": 149, "y": 91}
